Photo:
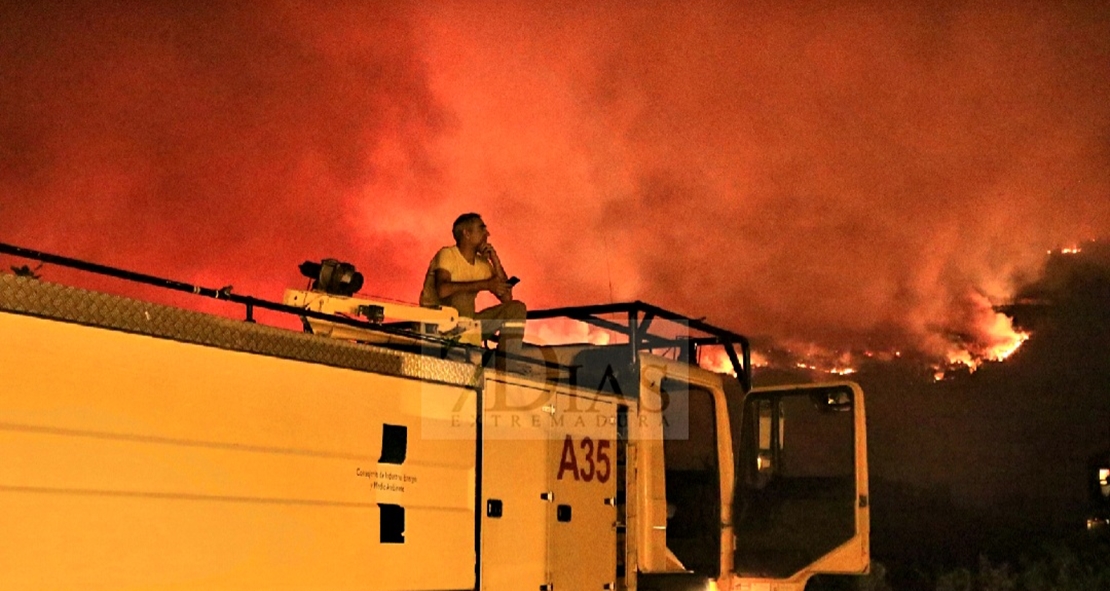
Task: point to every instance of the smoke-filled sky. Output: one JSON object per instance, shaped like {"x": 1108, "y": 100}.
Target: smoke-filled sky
{"x": 870, "y": 175}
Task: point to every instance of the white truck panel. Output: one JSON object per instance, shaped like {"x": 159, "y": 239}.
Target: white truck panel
{"x": 515, "y": 548}
{"x": 137, "y": 462}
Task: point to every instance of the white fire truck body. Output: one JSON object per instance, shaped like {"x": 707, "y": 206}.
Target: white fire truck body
{"x": 149, "y": 447}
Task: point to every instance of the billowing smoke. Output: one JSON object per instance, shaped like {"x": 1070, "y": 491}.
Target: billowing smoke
{"x": 214, "y": 142}
{"x": 870, "y": 177}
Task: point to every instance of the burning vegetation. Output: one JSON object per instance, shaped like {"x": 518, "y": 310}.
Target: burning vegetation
{"x": 1072, "y": 282}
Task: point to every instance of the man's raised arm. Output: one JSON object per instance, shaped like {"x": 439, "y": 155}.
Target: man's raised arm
{"x": 445, "y": 288}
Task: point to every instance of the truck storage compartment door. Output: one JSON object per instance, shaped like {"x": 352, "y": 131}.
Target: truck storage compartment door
{"x": 515, "y": 485}
{"x": 582, "y": 511}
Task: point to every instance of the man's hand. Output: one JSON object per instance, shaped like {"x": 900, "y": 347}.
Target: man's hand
{"x": 499, "y": 288}
{"x": 490, "y": 254}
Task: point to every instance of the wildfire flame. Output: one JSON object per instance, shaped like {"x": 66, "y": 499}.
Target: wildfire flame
{"x": 996, "y": 340}
{"x": 716, "y": 360}
{"x": 986, "y": 336}
{"x": 814, "y": 358}
{"x": 563, "y": 331}
{"x": 978, "y": 335}
{"x": 1068, "y": 250}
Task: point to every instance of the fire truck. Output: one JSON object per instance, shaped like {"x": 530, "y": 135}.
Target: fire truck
{"x": 147, "y": 446}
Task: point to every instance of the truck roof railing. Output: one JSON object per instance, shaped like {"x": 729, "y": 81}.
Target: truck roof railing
{"x": 636, "y": 321}
{"x": 223, "y": 293}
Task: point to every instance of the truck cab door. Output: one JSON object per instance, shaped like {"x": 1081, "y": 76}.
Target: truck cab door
{"x": 801, "y": 502}
{"x": 685, "y": 473}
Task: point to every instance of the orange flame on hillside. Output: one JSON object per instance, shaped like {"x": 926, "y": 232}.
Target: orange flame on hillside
{"x": 1067, "y": 250}
{"x": 979, "y": 335}
{"x": 815, "y": 358}
{"x": 995, "y": 340}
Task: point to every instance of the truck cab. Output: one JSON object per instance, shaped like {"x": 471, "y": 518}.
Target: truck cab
{"x": 730, "y": 486}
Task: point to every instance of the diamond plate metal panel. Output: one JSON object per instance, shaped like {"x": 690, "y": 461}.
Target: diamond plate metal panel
{"x": 24, "y": 295}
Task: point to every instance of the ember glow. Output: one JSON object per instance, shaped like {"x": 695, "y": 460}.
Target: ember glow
{"x": 754, "y": 163}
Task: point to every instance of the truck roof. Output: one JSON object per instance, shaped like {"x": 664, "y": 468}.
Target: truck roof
{"x": 643, "y": 326}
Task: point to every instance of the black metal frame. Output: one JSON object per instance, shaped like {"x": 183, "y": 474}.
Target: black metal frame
{"x": 637, "y": 326}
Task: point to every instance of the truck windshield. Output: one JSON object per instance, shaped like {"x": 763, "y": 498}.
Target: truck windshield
{"x": 795, "y": 478}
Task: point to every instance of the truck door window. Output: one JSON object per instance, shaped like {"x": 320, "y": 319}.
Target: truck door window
{"x": 692, "y": 477}
{"x": 795, "y": 498}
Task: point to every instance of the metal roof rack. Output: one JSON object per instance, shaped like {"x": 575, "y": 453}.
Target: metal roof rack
{"x": 636, "y": 323}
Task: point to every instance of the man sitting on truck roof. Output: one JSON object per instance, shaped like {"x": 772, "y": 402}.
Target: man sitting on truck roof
{"x": 458, "y": 273}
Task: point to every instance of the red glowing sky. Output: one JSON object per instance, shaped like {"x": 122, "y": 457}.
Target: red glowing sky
{"x": 872, "y": 175}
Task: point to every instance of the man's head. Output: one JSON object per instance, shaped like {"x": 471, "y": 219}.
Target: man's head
{"x": 469, "y": 229}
